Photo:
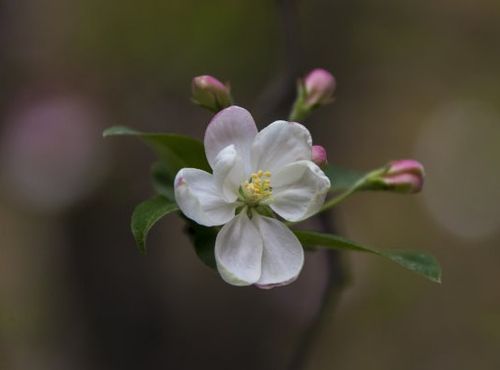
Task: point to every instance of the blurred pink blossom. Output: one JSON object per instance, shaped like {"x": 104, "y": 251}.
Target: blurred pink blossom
{"x": 51, "y": 151}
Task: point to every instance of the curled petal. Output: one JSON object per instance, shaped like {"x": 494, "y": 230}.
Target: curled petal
{"x": 231, "y": 126}
{"x": 228, "y": 173}
{"x": 279, "y": 144}
{"x": 198, "y": 198}
{"x": 283, "y": 255}
{"x": 238, "y": 251}
{"x": 299, "y": 190}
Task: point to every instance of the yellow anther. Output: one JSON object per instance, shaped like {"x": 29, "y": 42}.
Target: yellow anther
{"x": 258, "y": 187}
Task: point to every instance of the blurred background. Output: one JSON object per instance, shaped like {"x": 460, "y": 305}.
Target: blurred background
{"x": 416, "y": 79}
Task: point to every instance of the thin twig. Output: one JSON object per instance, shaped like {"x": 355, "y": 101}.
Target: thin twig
{"x": 279, "y": 93}
{"x": 276, "y": 100}
{"x": 329, "y": 298}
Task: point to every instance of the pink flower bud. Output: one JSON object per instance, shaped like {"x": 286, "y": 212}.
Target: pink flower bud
{"x": 319, "y": 155}
{"x": 405, "y": 176}
{"x": 319, "y": 86}
{"x": 210, "y": 93}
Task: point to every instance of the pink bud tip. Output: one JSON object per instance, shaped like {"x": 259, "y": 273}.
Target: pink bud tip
{"x": 210, "y": 93}
{"x": 404, "y": 166}
{"x": 406, "y": 176}
{"x": 208, "y": 82}
{"x": 319, "y": 87}
{"x": 318, "y": 155}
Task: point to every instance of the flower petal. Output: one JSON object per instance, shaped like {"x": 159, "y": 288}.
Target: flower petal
{"x": 198, "y": 198}
{"x": 238, "y": 251}
{"x": 279, "y": 144}
{"x": 282, "y": 257}
{"x": 228, "y": 173}
{"x": 299, "y": 190}
{"x": 233, "y": 125}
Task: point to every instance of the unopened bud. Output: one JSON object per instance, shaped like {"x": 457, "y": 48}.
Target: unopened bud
{"x": 404, "y": 176}
{"x": 318, "y": 155}
{"x": 319, "y": 86}
{"x": 210, "y": 93}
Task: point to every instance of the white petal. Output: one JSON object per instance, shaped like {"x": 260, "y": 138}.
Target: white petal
{"x": 198, "y": 198}
{"x": 233, "y": 125}
{"x": 279, "y": 144}
{"x": 238, "y": 251}
{"x": 228, "y": 173}
{"x": 282, "y": 257}
{"x": 299, "y": 190}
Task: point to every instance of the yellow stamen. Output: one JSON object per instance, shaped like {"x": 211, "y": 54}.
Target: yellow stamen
{"x": 258, "y": 187}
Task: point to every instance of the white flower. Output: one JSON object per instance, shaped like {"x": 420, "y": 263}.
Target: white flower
{"x": 254, "y": 173}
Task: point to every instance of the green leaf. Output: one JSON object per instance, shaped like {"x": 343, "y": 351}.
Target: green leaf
{"x": 341, "y": 178}
{"x": 203, "y": 239}
{"x": 175, "y": 151}
{"x": 146, "y": 214}
{"x": 421, "y": 263}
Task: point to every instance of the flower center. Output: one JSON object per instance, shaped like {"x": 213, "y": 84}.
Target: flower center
{"x": 257, "y": 188}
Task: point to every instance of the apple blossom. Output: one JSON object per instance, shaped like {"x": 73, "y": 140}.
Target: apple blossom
{"x": 255, "y": 176}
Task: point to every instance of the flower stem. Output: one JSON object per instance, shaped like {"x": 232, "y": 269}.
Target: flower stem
{"x": 298, "y": 113}
{"x": 342, "y": 196}
{"x": 361, "y": 184}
